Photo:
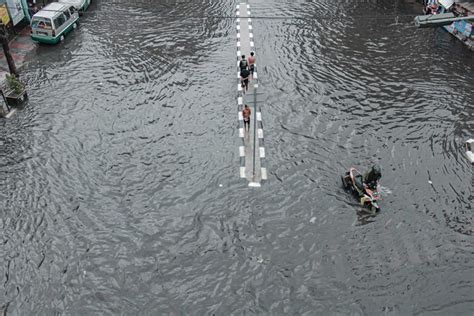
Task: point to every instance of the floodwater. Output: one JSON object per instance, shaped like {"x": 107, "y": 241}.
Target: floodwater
{"x": 120, "y": 188}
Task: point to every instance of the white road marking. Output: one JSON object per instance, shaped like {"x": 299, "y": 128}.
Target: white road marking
{"x": 259, "y": 116}
{"x": 238, "y": 44}
{"x": 241, "y": 132}
{"x": 239, "y": 87}
{"x": 238, "y": 27}
{"x": 262, "y": 152}
{"x": 241, "y": 117}
{"x": 260, "y": 133}
{"x": 240, "y": 100}
{"x": 264, "y": 173}
{"x": 250, "y": 27}
{"x": 252, "y": 44}
{"x": 238, "y": 35}
{"x": 242, "y": 151}
{"x": 255, "y": 85}
{"x": 250, "y": 20}
{"x": 254, "y": 75}
{"x": 251, "y": 35}
{"x": 254, "y": 184}
{"x": 242, "y": 172}
{"x": 238, "y": 53}
{"x": 237, "y": 13}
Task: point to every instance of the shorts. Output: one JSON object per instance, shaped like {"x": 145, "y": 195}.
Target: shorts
{"x": 251, "y": 68}
{"x": 245, "y": 82}
{"x": 247, "y": 122}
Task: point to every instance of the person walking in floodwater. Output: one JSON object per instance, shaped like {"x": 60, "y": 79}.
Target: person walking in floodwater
{"x": 252, "y": 60}
{"x": 246, "y": 114}
{"x": 244, "y": 79}
{"x": 243, "y": 63}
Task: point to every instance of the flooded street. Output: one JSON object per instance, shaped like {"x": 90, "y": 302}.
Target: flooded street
{"x": 120, "y": 189}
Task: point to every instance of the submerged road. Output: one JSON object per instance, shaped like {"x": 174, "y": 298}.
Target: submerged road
{"x": 119, "y": 189}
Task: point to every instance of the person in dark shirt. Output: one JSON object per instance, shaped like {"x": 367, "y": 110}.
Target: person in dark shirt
{"x": 243, "y": 63}
{"x": 32, "y": 8}
{"x": 244, "y": 79}
{"x": 372, "y": 177}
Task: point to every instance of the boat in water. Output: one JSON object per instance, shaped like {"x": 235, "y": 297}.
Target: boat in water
{"x": 463, "y": 28}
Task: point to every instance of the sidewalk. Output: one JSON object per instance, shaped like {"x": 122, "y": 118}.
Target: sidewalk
{"x": 20, "y": 46}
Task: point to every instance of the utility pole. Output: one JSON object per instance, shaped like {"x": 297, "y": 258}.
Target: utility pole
{"x": 6, "y": 51}
{"x": 254, "y": 129}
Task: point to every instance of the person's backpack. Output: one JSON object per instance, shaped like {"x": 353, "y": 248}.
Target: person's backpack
{"x": 243, "y": 64}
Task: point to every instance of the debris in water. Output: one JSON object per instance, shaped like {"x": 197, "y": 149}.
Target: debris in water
{"x": 312, "y": 220}
{"x": 430, "y": 182}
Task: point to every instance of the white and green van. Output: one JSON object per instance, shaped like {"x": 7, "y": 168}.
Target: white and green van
{"x": 53, "y": 22}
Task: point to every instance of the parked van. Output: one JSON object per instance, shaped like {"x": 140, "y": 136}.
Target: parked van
{"x": 53, "y": 22}
{"x": 80, "y": 5}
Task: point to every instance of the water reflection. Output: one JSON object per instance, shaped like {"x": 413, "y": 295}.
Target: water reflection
{"x": 365, "y": 216}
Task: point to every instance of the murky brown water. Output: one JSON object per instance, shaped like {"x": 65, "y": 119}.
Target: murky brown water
{"x": 110, "y": 178}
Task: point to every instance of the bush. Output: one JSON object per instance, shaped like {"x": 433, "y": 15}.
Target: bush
{"x": 14, "y": 84}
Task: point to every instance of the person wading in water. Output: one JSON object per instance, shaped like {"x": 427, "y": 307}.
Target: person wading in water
{"x": 244, "y": 79}
{"x": 243, "y": 63}
{"x": 252, "y": 60}
{"x": 246, "y": 114}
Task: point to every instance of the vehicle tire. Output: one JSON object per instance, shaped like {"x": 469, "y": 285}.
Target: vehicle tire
{"x": 74, "y": 26}
{"x": 61, "y": 39}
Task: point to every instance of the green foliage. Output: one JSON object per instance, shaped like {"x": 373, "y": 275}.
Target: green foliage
{"x": 14, "y": 84}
